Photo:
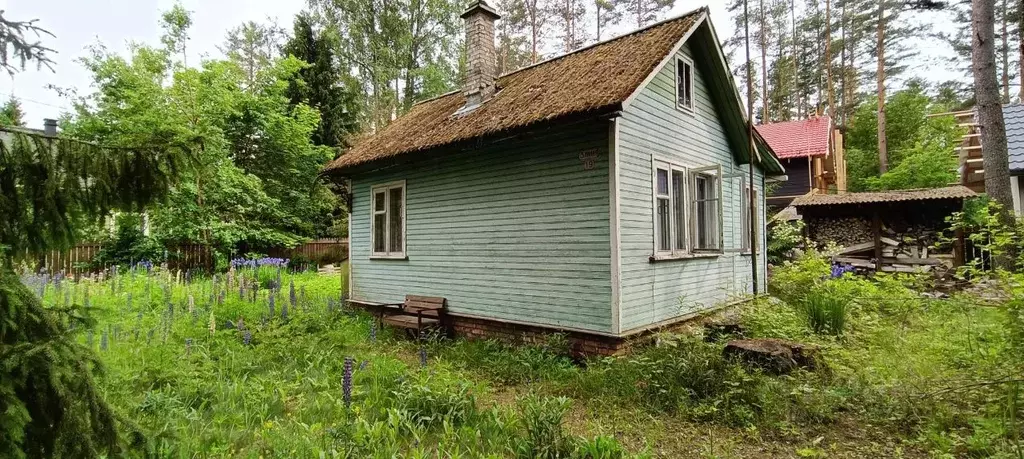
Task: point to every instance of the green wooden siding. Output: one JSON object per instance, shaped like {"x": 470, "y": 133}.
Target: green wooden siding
{"x": 514, "y": 231}
{"x": 653, "y": 128}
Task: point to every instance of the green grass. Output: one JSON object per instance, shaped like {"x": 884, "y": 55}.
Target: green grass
{"x": 903, "y": 379}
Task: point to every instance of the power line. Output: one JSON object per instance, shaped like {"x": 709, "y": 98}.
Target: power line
{"x": 22, "y": 99}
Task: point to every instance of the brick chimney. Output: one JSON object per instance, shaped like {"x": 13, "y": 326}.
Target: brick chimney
{"x": 481, "y": 59}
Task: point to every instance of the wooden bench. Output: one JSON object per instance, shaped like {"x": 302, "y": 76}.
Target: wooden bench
{"x": 416, "y": 314}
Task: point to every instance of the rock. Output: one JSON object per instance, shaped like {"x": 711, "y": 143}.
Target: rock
{"x": 774, "y": 356}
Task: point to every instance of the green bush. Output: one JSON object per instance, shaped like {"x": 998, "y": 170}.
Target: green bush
{"x": 128, "y": 245}
{"x": 542, "y": 421}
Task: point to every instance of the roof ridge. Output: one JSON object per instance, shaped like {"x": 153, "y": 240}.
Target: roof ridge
{"x": 576, "y": 51}
{"x": 604, "y": 42}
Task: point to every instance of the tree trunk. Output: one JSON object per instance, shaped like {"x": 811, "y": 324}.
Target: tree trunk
{"x": 764, "y": 67}
{"x": 1020, "y": 42}
{"x": 990, "y": 111}
{"x": 1004, "y": 50}
{"x": 828, "y": 59}
{"x": 750, "y": 137}
{"x": 796, "y": 68}
{"x": 842, "y": 66}
{"x": 883, "y": 154}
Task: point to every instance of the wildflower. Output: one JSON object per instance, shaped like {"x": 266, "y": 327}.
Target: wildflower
{"x": 191, "y": 304}
{"x": 373, "y": 332}
{"x": 839, "y": 269}
{"x": 291, "y": 293}
{"x": 67, "y": 298}
{"x": 241, "y": 289}
{"x": 240, "y": 324}
{"x": 363, "y": 364}
{"x": 103, "y": 341}
{"x": 220, "y": 299}
{"x": 346, "y": 382}
{"x": 128, "y": 302}
{"x": 284, "y": 311}
{"x": 88, "y": 338}
{"x": 246, "y": 337}
{"x": 271, "y": 303}
{"x": 423, "y": 356}
{"x": 213, "y": 324}
{"x": 170, "y": 311}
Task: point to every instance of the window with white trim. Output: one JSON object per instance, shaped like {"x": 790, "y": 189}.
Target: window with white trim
{"x": 670, "y": 208}
{"x": 684, "y": 84}
{"x": 748, "y": 194}
{"x": 706, "y": 222}
{"x": 387, "y": 224}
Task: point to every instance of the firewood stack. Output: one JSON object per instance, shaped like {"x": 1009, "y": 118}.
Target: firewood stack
{"x": 908, "y": 249}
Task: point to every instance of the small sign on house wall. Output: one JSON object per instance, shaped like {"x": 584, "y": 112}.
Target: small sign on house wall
{"x": 589, "y": 159}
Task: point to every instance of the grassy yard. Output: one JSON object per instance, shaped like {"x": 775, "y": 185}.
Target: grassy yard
{"x": 202, "y": 369}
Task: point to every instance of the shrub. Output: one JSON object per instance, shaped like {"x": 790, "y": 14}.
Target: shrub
{"x": 783, "y": 237}
{"x": 128, "y": 245}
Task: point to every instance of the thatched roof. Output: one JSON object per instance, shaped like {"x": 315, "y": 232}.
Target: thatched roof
{"x": 871, "y": 197}
{"x": 595, "y": 79}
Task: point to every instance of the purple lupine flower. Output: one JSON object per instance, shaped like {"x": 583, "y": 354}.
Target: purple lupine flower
{"x": 88, "y": 338}
{"x": 103, "y": 341}
{"x": 291, "y": 293}
{"x": 284, "y": 311}
{"x": 839, "y": 269}
{"x": 170, "y": 311}
{"x": 423, "y": 356}
{"x": 240, "y": 324}
{"x": 128, "y": 302}
{"x": 271, "y": 303}
{"x": 363, "y": 364}
{"x": 220, "y": 299}
{"x": 246, "y": 337}
{"x": 241, "y": 290}
{"x": 188, "y": 346}
{"x": 373, "y": 332}
{"x": 67, "y": 298}
{"x": 346, "y": 382}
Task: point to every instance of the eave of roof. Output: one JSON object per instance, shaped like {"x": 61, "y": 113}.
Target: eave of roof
{"x": 873, "y": 197}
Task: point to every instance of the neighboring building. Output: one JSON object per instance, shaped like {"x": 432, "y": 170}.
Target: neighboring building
{"x": 1014, "y": 117}
{"x": 811, "y": 151}
{"x": 600, "y": 193}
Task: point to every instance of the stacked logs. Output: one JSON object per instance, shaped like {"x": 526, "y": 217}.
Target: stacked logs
{"x": 905, "y": 247}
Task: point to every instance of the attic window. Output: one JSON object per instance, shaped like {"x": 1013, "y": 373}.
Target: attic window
{"x": 684, "y": 84}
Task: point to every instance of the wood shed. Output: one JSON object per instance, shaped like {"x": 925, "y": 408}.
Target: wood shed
{"x": 901, "y": 228}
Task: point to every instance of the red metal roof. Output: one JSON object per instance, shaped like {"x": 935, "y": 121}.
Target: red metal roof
{"x": 797, "y": 139}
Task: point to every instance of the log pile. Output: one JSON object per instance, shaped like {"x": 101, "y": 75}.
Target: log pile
{"x": 908, "y": 248}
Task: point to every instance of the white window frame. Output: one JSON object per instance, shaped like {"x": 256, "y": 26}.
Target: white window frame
{"x": 675, "y": 249}
{"x": 386, "y": 189}
{"x": 715, "y": 173}
{"x": 680, "y": 60}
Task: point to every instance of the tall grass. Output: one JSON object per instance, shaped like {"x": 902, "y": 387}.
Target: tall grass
{"x": 826, "y": 309}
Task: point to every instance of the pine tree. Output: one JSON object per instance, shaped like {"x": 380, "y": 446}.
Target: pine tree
{"x": 21, "y": 48}
{"x": 322, "y": 85}
{"x": 253, "y": 46}
{"x": 607, "y": 13}
{"x": 537, "y": 14}
{"x": 645, "y": 12}
{"x": 11, "y": 113}
{"x": 570, "y": 15}
{"x": 51, "y": 187}
{"x": 990, "y": 112}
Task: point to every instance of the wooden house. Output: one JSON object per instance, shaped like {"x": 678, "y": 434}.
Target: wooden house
{"x": 601, "y": 193}
{"x": 811, "y": 150}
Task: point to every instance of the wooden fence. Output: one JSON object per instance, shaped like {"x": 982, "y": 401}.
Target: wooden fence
{"x": 78, "y": 259}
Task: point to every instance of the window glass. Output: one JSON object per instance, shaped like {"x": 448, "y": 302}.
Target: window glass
{"x": 662, "y": 181}
{"x": 379, "y": 225}
{"x": 664, "y": 230}
{"x": 678, "y": 205}
{"x": 395, "y": 219}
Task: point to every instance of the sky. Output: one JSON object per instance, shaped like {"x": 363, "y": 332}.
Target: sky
{"x": 116, "y": 23}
